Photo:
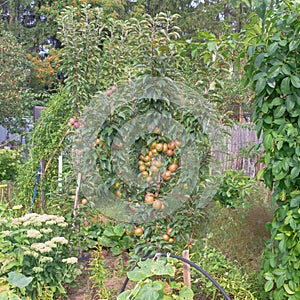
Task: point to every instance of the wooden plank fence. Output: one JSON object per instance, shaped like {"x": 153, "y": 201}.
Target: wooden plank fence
{"x": 236, "y": 150}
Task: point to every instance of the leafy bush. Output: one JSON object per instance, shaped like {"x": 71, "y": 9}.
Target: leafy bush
{"x": 9, "y": 163}
{"x": 233, "y": 189}
{"x": 34, "y": 246}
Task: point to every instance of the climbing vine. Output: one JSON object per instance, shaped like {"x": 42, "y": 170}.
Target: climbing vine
{"x": 274, "y": 71}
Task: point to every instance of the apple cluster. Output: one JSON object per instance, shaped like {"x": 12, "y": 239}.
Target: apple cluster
{"x": 73, "y": 123}
{"x": 150, "y": 167}
{"x": 150, "y": 164}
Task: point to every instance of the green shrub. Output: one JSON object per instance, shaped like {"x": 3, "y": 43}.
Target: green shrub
{"x": 9, "y": 163}
{"x": 233, "y": 189}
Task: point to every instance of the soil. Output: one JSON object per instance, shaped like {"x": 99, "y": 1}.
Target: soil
{"x": 116, "y": 266}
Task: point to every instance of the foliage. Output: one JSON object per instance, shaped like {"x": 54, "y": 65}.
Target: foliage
{"x": 226, "y": 272}
{"x": 12, "y": 80}
{"x": 33, "y": 246}
{"x": 274, "y": 73}
{"x": 233, "y": 189}
{"x": 98, "y": 273}
{"x": 157, "y": 288}
{"x": 213, "y": 63}
{"x": 115, "y": 238}
{"x": 9, "y": 163}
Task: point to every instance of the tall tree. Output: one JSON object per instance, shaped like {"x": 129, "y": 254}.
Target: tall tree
{"x": 12, "y": 80}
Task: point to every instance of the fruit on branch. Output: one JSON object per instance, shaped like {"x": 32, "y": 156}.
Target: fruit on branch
{"x": 172, "y": 167}
{"x": 142, "y": 168}
{"x": 157, "y": 204}
{"x": 165, "y": 237}
{"x": 170, "y": 152}
{"x": 84, "y": 201}
{"x": 159, "y": 147}
{"x": 149, "y": 198}
{"x": 167, "y": 175}
{"x": 169, "y": 230}
{"x": 145, "y": 174}
{"x": 119, "y": 194}
{"x": 172, "y": 145}
{"x": 138, "y": 231}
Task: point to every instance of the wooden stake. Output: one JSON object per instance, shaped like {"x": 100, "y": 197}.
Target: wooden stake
{"x": 186, "y": 269}
{"x": 77, "y": 193}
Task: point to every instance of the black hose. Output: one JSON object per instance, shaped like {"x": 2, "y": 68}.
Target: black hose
{"x": 184, "y": 260}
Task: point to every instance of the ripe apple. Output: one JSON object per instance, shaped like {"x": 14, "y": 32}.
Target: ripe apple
{"x": 167, "y": 175}
{"x": 172, "y": 167}
{"x": 165, "y": 237}
{"x": 165, "y": 147}
{"x": 169, "y": 231}
{"x": 149, "y": 179}
{"x": 159, "y": 147}
{"x": 76, "y": 124}
{"x": 145, "y": 174}
{"x": 119, "y": 194}
{"x": 172, "y": 145}
{"x": 157, "y": 204}
{"x": 147, "y": 158}
{"x": 153, "y": 145}
{"x": 170, "y": 152}
{"x": 140, "y": 163}
{"x": 171, "y": 240}
{"x": 84, "y": 201}
{"x": 149, "y": 198}
{"x": 142, "y": 168}
{"x": 138, "y": 231}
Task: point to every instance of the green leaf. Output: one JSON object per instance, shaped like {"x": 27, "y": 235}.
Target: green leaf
{"x": 295, "y": 172}
{"x": 277, "y": 101}
{"x": 285, "y": 85}
{"x": 251, "y": 50}
{"x": 19, "y": 280}
{"x": 287, "y": 289}
{"x": 186, "y": 293}
{"x": 260, "y": 174}
{"x": 290, "y": 102}
{"x": 294, "y": 45}
{"x": 211, "y": 46}
{"x": 279, "y": 111}
{"x": 295, "y": 81}
{"x": 269, "y": 285}
{"x": 272, "y": 48}
{"x": 260, "y": 85}
{"x": 268, "y": 141}
{"x": 286, "y": 69}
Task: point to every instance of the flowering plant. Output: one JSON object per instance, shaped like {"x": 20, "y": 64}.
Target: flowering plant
{"x": 34, "y": 246}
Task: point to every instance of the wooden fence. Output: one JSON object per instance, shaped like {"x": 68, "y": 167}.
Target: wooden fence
{"x": 236, "y": 150}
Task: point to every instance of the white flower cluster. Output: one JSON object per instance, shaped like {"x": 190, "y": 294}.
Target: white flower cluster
{"x": 59, "y": 240}
{"x": 70, "y": 260}
{"x": 37, "y": 269}
{"x": 41, "y": 247}
{"x": 39, "y": 220}
{"x": 33, "y": 233}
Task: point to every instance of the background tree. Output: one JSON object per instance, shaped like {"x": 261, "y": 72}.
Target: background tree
{"x": 13, "y": 77}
